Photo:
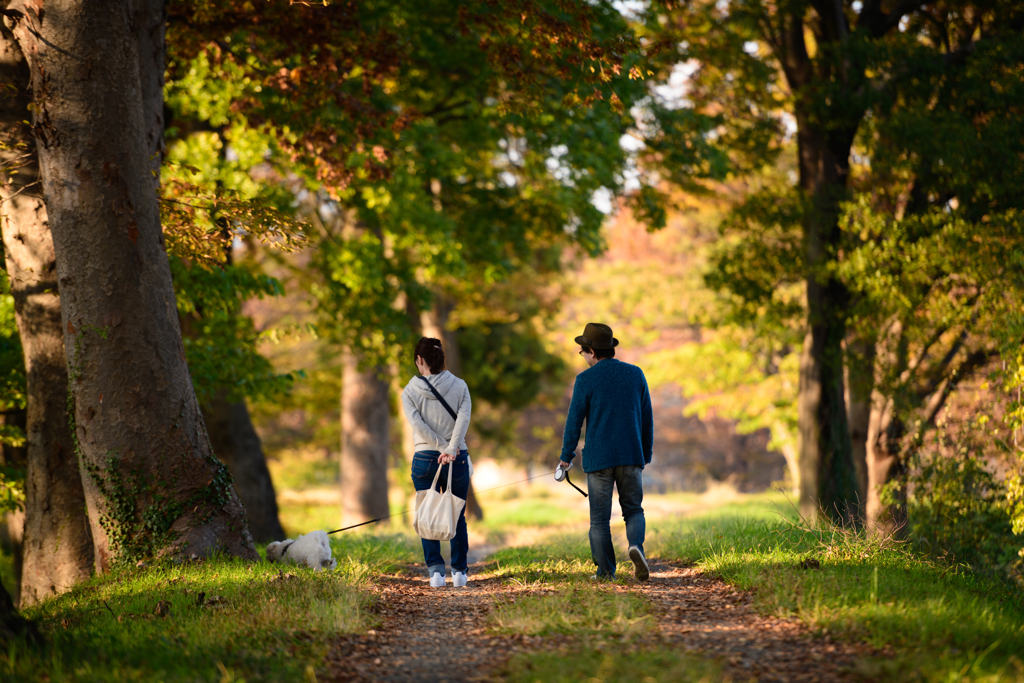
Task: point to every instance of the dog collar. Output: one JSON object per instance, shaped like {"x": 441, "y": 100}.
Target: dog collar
{"x": 285, "y": 551}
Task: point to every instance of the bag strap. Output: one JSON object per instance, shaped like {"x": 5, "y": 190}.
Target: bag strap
{"x": 433, "y": 486}
{"x": 440, "y": 398}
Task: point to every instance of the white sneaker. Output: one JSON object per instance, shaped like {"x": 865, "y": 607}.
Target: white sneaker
{"x": 437, "y": 580}
{"x": 639, "y": 563}
{"x": 459, "y": 579}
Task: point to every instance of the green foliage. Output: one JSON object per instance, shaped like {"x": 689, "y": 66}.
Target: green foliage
{"x": 221, "y": 344}
{"x": 12, "y": 400}
{"x": 958, "y": 508}
{"x": 506, "y": 363}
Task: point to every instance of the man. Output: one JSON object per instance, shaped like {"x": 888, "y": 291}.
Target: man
{"x": 612, "y": 397}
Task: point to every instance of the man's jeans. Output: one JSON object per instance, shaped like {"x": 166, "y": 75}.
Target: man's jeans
{"x": 629, "y": 480}
{"x": 424, "y": 467}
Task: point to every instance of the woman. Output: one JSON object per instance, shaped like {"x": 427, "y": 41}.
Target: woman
{"x": 440, "y": 442}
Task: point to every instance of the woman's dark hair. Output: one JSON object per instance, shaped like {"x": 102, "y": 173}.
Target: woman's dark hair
{"x": 429, "y": 349}
{"x": 599, "y": 354}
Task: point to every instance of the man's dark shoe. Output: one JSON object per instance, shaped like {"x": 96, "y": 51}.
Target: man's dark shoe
{"x": 639, "y": 563}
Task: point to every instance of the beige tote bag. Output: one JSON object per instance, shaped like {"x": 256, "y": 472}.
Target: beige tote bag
{"x": 437, "y": 514}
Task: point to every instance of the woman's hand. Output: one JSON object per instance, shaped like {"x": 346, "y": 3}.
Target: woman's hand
{"x": 444, "y": 459}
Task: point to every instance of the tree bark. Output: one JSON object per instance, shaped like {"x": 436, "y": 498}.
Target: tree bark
{"x": 885, "y": 466}
{"x": 435, "y": 325}
{"x": 152, "y": 483}
{"x": 827, "y": 471}
{"x": 365, "y": 425}
{"x": 57, "y": 548}
{"x": 236, "y": 443}
{"x": 860, "y": 384}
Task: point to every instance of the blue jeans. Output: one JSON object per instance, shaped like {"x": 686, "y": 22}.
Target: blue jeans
{"x": 629, "y": 480}
{"x": 424, "y": 467}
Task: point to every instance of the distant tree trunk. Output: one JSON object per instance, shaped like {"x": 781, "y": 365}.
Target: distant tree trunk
{"x": 137, "y": 420}
{"x": 860, "y": 386}
{"x": 885, "y": 467}
{"x": 57, "y": 550}
{"x": 238, "y": 446}
{"x": 435, "y": 325}
{"x": 827, "y": 474}
{"x": 365, "y": 418}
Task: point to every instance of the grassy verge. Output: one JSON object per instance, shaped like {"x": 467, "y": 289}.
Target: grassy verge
{"x": 221, "y": 619}
{"x": 941, "y": 623}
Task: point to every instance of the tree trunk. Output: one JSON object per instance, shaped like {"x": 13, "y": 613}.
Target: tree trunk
{"x": 435, "y": 325}
{"x": 860, "y": 383}
{"x": 153, "y": 484}
{"x": 365, "y": 418}
{"x": 238, "y": 446}
{"x": 57, "y": 548}
{"x": 827, "y": 474}
{"x": 885, "y": 467}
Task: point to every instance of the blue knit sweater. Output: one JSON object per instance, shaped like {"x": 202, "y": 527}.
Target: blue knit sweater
{"x": 614, "y": 400}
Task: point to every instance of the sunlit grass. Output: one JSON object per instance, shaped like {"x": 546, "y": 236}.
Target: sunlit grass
{"x": 575, "y": 610}
{"x": 944, "y": 623}
{"x": 255, "y": 621}
{"x": 611, "y": 663}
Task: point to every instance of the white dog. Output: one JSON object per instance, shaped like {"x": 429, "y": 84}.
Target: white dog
{"x": 312, "y": 549}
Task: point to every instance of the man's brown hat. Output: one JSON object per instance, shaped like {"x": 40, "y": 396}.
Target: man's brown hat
{"x": 597, "y": 336}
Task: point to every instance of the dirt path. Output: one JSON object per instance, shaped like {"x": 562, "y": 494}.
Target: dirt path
{"x": 429, "y": 634}
{"x": 709, "y": 616}
{"x": 432, "y": 635}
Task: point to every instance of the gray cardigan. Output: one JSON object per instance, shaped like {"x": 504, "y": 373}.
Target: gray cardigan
{"x": 432, "y": 425}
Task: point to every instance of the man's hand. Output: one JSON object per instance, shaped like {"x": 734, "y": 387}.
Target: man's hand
{"x": 563, "y": 464}
{"x": 444, "y": 459}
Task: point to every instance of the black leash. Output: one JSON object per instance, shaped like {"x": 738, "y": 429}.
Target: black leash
{"x": 574, "y": 485}
{"x": 521, "y": 481}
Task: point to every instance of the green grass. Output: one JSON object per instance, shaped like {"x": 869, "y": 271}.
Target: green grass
{"x": 942, "y": 622}
{"x": 575, "y": 610}
{"x": 609, "y": 663}
{"x": 564, "y": 557}
{"x": 266, "y": 623}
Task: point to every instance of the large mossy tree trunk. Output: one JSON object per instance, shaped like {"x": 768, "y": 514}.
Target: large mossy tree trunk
{"x": 435, "y": 325}
{"x": 238, "y": 446}
{"x": 152, "y": 483}
{"x": 365, "y": 442}
{"x": 57, "y": 549}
